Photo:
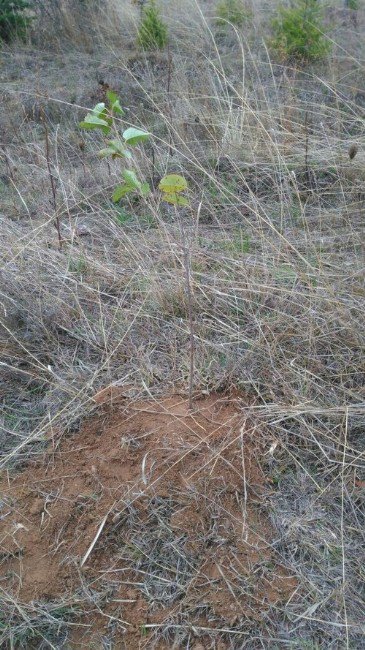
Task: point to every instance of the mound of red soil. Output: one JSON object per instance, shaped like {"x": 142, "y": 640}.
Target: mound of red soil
{"x": 151, "y": 514}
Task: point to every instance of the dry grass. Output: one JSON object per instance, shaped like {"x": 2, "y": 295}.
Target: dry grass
{"x": 275, "y": 235}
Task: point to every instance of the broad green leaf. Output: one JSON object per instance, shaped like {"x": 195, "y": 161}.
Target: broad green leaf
{"x": 173, "y": 183}
{"x": 98, "y": 108}
{"x": 115, "y": 149}
{"x": 176, "y": 199}
{"x": 133, "y": 136}
{"x": 114, "y": 102}
{"x": 97, "y": 119}
{"x": 120, "y": 191}
{"x": 131, "y": 179}
{"x": 116, "y": 108}
{"x": 107, "y": 151}
{"x": 112, "y": 96}
{"x": 92, "y": 121}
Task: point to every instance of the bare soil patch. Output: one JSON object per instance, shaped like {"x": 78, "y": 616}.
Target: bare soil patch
{"x": 185, "y": 542}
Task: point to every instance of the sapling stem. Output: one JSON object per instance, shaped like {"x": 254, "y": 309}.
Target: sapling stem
{"x": 154, "y": 177}
{"x": 168, "y": 91}
{"x": 306, "y": 154}
{"x": 52, "y": 181}
{"x": 189, "y": 293}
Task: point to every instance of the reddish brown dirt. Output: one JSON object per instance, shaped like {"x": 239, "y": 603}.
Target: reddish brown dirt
{"x": 181, "y": 497}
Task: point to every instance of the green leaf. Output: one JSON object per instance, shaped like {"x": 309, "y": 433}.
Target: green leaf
{"x": 93, "y": 122}
{"x": 134, "y": 136}
{"x": 132, "y": 184}
{"x": 98, "y": 108}
{"x": 112, "y": 96}
{"x": 115, "y": 149}
{"x": 108, "y": 151}
{"x": 114, "y": 102}
{"x": 131, "y": 179}
{"x": 175, "y": 199}
{"x": 120, "y": 191}
{"x": 173, "y": 183}
{"x": 97, "y": 119}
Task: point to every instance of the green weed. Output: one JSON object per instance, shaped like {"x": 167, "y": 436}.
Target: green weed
{"x": 231, "y": 11}
{"x": 77, "y": 266}
{"x": 299, "y": 32}
{"x": 152, "y": 33}
{"x": 14, "y": 20}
